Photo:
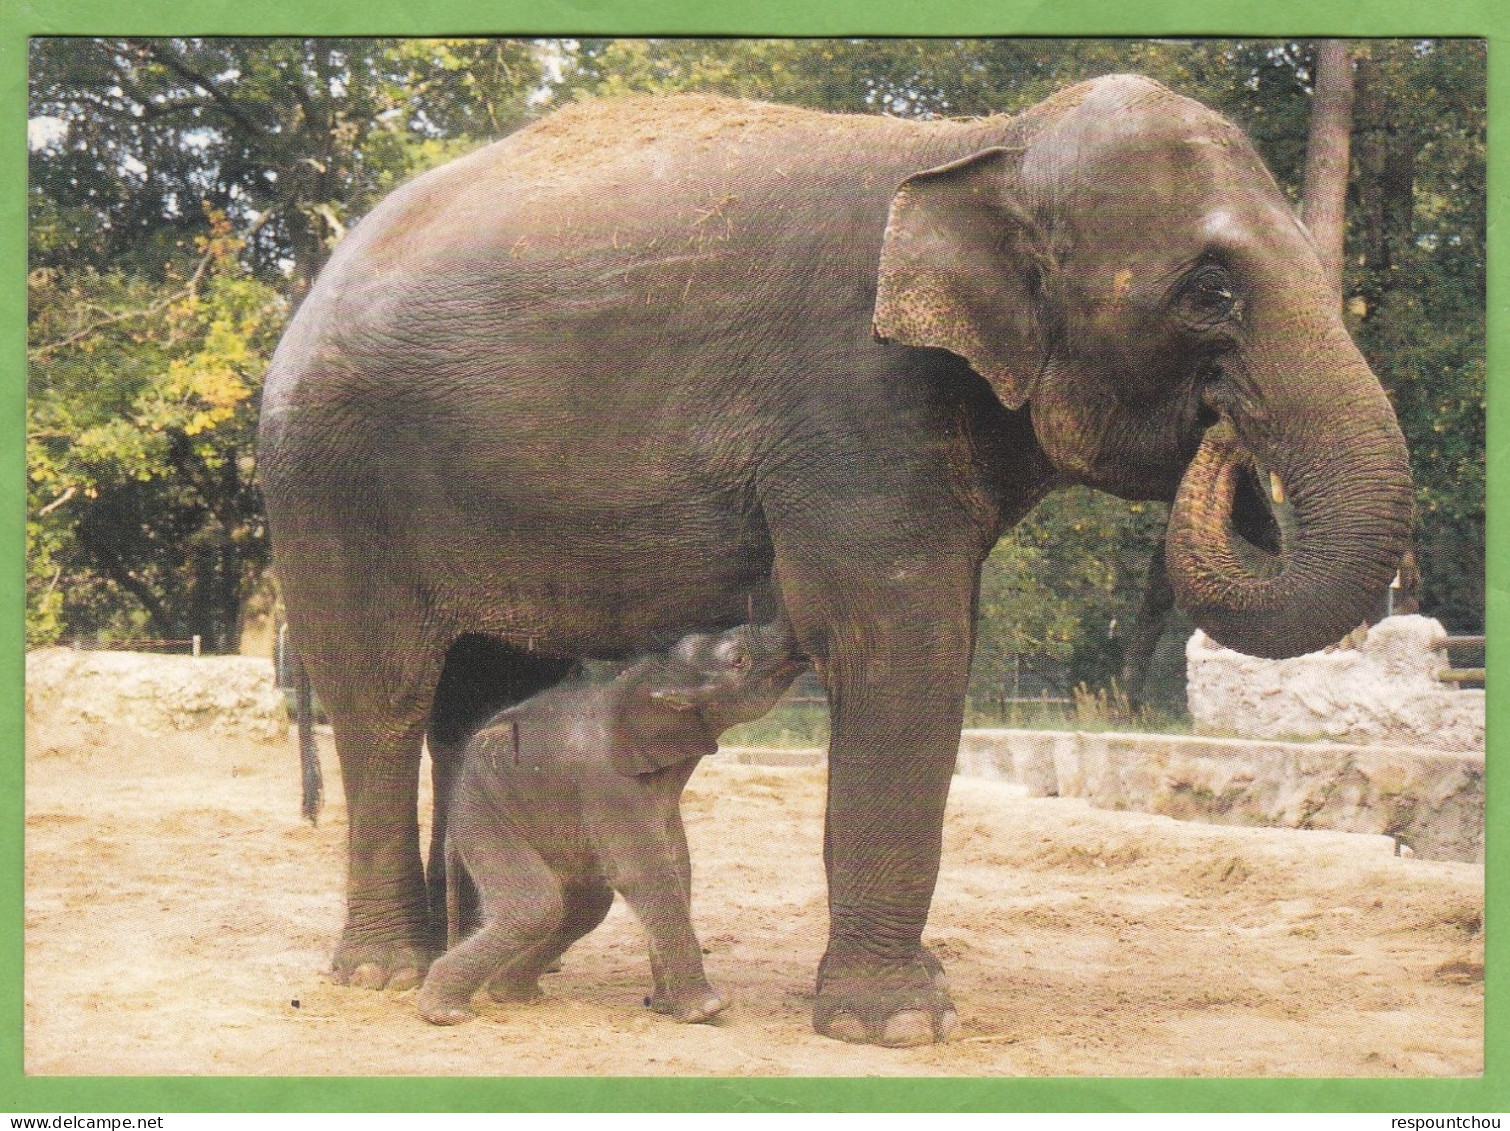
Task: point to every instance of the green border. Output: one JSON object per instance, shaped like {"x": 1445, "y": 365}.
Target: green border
{"x": 19, "y": 20}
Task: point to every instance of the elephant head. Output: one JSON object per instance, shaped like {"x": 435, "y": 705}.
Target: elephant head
{"x": 1127, "y": 269}
{"x": 674, "y": 705}
{"x": 729, "y": 678}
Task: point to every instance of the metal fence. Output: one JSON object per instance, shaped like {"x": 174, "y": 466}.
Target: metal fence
{"x": 193, "y": 646}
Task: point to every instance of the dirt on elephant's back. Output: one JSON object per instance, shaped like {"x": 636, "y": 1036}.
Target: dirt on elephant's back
{"x": 179, "y": 916}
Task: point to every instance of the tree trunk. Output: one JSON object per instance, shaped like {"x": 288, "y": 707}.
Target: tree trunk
{"x": 1153, "y": 610}
{"x": 1385, "y": 152}
{"x": 1386, "y": 160}
{"x": 1323, "y": 205}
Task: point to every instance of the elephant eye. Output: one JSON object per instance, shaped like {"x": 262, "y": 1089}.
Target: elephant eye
{"x": 1207, "y": 299}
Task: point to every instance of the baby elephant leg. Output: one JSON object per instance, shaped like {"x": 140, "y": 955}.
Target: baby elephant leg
{"x": 681, "y": 987}
{"x": 643, "y": 866}
{"x": 681, "y": 860}
{"x": 521, "y": 906}
{"x": 585, "y": 905}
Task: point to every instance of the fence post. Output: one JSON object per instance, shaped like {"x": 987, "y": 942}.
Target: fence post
{"x": 196, "y": 644}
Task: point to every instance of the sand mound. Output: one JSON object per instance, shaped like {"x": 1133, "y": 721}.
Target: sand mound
{"x": 221, "y": 695}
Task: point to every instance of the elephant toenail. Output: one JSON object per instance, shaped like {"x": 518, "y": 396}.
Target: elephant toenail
{"x": 451, "y": 1016}
{"x": 369, "y": 976}
{"x": 405, "y": 979}
{"x": 910, "y": 1027}
{"x": 848, "y": 1027}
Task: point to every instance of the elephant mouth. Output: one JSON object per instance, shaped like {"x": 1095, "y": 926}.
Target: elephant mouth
{"x": 1272, "y": 572}
{"x": 1259, "y": 513}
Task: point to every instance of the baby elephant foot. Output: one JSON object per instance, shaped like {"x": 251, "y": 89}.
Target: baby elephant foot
{"x": 516, "y": 989}
{"x": 442, "y": 1011}
{"x": 692, "y": 1007}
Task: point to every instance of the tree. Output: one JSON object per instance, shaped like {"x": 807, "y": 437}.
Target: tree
{"x": 290, "y": 138}
{"x": 1323, "y": 200}
{"x": 1416, "y": 285}
{"x": 140, "y": 422}
{"x": 184, "y": 193}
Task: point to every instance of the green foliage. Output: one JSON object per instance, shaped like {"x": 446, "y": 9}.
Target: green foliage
{"x": 292, "y": 139}
{"x": 1419, "y": 305}
{"x": 182, "y": 193}
{"x": 140, "y": 417}
{"x": 1059, "y": 592}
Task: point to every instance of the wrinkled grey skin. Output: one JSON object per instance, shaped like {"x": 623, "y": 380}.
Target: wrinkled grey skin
{"x": 574, "y": 794}
{"x": 648, "y": 365}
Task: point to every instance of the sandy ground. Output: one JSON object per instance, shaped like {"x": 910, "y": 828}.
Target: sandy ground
{"x": 179, "y": 916}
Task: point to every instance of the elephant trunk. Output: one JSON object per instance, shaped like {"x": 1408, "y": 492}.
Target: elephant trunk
{"x": 1333, "y": 450}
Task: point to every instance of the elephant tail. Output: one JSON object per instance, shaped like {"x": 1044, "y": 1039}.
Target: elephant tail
{"x": 453, "y": 893}
{"x": 309, "y": 756}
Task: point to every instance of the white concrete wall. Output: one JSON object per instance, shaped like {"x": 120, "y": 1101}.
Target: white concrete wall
{"x": 1431, "y": 801}
{"x": 219, "y": 694}
{"x": 1384, "y": 690}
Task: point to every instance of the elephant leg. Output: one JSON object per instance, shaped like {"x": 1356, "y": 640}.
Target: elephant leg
{"x": 522, "y": 908}
{"x": 681, "y": 859}
{"x": 652, "y": 889}
{"x": 454, "y": 910}
{"x": 664, "y": 789}
{"x": 681, "y": 864}
{"x": 375, "y": 683}
{"x": 585, "y": 905}
{"x": 669, "y": 783}
{"x": 893, "y": 643}
{"x": 481, "y": 676}
{"x": 630, "y": 824}
{"x": 386, "y": 941}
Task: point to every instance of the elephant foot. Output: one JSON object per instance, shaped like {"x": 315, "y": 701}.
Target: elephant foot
{"x": 515, "y": 990}
{"x": 377, "y": 966}
{"x": 691, "y": 1008}
{"x": 439, "y": 1009}
{"x": 897, "y": 1004}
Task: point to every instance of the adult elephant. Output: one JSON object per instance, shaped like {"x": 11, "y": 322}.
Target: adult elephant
{"x": 655, "y": 366}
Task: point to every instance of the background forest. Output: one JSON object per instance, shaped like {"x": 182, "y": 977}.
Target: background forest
{"x": 184, "y": 194}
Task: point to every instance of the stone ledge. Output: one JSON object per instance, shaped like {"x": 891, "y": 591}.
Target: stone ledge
{"x": 773, "y": 755}
{"x": 1431, "y": 801}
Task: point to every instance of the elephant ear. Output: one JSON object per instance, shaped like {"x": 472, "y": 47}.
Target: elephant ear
{"x": 653, "y": 732}
{"x": 960, "y": 265}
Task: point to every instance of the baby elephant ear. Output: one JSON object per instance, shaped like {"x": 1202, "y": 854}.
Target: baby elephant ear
{"x": 960, "y": 264}
{"x": 660, "y": 730}
{"x": 677, "y": 698}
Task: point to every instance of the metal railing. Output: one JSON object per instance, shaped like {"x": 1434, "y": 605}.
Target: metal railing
{"x": 1462, "y": 676}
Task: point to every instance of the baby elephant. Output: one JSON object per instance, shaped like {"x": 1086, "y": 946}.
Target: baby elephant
{"x": 574, "y": 794}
